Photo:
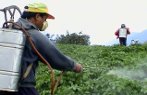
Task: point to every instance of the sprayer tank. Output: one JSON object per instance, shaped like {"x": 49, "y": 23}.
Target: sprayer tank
{"x": 11, "y": 49}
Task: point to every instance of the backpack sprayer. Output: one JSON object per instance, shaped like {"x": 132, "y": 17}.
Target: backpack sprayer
{"x": 11, "y": 48}
{"x": 12, "y": 42}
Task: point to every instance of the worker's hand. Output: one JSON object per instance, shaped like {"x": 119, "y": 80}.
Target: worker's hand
{"x": 78, "y": 68}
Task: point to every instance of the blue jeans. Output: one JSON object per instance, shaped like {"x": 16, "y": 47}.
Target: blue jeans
{"x": 123, "y": 41}
{"x": 22, "y": 91}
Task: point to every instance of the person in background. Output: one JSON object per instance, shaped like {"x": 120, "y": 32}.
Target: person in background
{"x": 122, "y": 33}
{"x": 34, "y": 19}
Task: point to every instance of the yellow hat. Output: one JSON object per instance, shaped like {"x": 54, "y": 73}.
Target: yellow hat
{"x": 38, "y": 8}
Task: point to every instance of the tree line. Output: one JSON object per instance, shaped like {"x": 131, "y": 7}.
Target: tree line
{"x": 73, "y": 38}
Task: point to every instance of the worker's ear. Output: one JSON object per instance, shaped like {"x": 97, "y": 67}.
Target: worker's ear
{"x": 37, "y": 17}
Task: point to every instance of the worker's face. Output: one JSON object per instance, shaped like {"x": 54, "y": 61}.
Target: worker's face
{"x": 40, "y": 21}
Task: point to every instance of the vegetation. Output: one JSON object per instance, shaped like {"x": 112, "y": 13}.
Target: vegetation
{"x": 98, "y": 61}
{"x": 74, "y": 38}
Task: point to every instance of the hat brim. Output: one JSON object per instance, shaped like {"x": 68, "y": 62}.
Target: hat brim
{"x": 50, "y": 16}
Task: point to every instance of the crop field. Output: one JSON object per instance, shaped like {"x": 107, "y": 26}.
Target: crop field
{"x": 108, "y": 70}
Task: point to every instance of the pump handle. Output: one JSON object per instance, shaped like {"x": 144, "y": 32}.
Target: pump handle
{"x": 11, "y": 10}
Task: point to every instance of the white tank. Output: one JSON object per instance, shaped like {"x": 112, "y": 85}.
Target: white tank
{"x": 11, "y": 49}
{"x": 123, "y": 32}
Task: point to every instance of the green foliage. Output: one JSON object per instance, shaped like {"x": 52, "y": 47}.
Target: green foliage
{"x": 73, "y": 38}
{"x": 97, "y": 62}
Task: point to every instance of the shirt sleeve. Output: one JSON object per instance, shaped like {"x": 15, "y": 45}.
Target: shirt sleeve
{"x": 56, "y": 58}
{"x": 116, "y": 32}
{"x": 128, "y": 31}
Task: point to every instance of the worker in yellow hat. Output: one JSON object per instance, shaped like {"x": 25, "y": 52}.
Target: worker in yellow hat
{"x": 38, "y": 10}
{"x": 33, "y": 19}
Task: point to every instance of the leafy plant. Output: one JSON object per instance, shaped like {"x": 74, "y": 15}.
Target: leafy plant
{"x": 97, "y": 62}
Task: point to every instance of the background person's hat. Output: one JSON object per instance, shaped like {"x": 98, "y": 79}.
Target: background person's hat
{"x": 38, "y": 8}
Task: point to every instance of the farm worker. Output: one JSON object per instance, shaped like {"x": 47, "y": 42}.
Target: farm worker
{"x": 34, "y": 19}
{"x": 122, "y": 33}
